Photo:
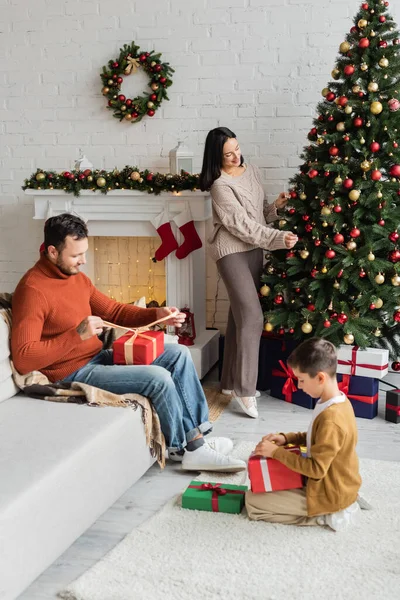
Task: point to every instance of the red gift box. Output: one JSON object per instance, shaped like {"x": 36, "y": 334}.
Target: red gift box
{"x": 138, "y": 348}
{"x": 270, "y": 475}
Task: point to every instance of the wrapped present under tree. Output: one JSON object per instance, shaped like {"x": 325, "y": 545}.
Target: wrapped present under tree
{"x": 214, "y": 497}
{"x": 283, "y": 386}
{"x": 363, "y": 393}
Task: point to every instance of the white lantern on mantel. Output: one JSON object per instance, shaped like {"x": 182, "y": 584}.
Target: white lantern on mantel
{"x": 181, "y": 158}
{"x": 82, "y": 163}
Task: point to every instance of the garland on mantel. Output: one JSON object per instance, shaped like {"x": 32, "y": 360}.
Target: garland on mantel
{"x": 130, "y": 178}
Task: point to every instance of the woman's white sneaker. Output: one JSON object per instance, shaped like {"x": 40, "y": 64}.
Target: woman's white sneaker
{"x": 248, "y": 404}
{"x": 207, "y": 459}
{"x": 230, "y": 392}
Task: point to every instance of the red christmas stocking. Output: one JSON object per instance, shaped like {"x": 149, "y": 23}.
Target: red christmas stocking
{"x": 164, "y": 230}
{"x": 191, "y": 237}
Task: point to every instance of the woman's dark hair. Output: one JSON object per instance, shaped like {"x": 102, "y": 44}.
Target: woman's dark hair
{"x": 212, "y": 159}
{"x": 57, "y": 228}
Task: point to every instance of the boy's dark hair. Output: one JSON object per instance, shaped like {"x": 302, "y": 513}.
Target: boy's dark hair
{"x": 212, "y": 159}
{"x": 57, "y": 228}
{"x": 313, "y": 356}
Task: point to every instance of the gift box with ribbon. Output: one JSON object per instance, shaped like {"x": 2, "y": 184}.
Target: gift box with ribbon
{"x": 370, "y": 362}
{"x": 392, "y": 408}
{"x": 270, "y": 475}
{"x": 273, "y": 348}
{"x": 283, "y": 386}
{"x": 138, "y": 349}
{"x": 362, "y": 392}
{"x": 214, "y": 497}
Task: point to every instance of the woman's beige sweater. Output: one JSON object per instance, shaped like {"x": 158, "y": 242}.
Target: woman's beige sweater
{"x": 240, "y": 214}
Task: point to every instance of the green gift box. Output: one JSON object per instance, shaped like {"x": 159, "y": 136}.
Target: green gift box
{"x": 215, "y": 497}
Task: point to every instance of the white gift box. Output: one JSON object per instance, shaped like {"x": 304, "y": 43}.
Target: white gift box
{"x": 369, "y": 362}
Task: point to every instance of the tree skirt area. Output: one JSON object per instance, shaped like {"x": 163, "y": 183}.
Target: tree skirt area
{"x": 181, "y": 554}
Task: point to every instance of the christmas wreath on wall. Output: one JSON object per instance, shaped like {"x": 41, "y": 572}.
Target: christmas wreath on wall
{"x": 128, "y": 62}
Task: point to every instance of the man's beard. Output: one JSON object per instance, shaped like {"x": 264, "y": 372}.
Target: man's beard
{"x": 64, "y": 269}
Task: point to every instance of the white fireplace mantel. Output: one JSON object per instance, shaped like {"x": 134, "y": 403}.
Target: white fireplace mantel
{"x": 130, "y": 213}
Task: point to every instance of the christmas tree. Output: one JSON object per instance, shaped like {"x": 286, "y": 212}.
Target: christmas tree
{"x": 342, "y": 279}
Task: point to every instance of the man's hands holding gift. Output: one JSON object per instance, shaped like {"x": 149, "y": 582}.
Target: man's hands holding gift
{"x": 267, "y": 446}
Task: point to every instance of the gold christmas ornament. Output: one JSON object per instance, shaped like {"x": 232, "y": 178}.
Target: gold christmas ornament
{"x": 336, "y": 285}
{"x": 377, "y": 333}
{"x": 326, "y": 211}
{"x": 335, "y": 74}
{"x": 324, "y": 270}
{"x": 320, "y": 141}
{"x": 325, "y": 92}
{"x": 362, "y": 141}
{"x": 344, "y": 47}
{"x": 324, "y": 224}
{"x": 379, "y": 195}
{"x": 110, "y": 82}
{"x": 268, "y": 327}
{"x": 396, "y": 281}
{"x": 365, "y": 165}
{"x": 128, "y": 117}
{"x": 341, "y": 126}
{"x": 348, "y": 110}
{"x": 384, "y": 63}
{"x": 351, "y": 245}
{"x": 378, "y": 303}
{"x": 376, "y": 108}
{"x": 356, "y": 89}
{"x": 105, "y": 91}
{"x": 154, "y": 87}
{"x": 123, "y": 108}
{"x": 153, "y": 63}
{"x": 363, "y": 23}
{"x": 101, "y": 181}
{"x": 282, "y": 223}
{"x": 348, "y": 338}
{"x": 265, "y": 290}
{"x": 372, "y": 34}
{"x": 338, "y": 180}
{"x": 371, "y": 256}
{"x": 373, "y": 86}
{"x": 140, "y": 180}
{"x": 303, "y": 196}
{"x": 89, "y": 178}
{"x": 135, "y": 176}
{"x": 354, "y": 195}
{"x": 364, "y": 67}
{"x": 40, "y": 177}
{"x": 150, "y": 105}
{"x": 304, "y": 254}
{"x": 379, "y": 279}
{"x": 306, "y": 327}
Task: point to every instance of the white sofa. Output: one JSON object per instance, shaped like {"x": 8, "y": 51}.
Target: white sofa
{"x": 61, "y": 467}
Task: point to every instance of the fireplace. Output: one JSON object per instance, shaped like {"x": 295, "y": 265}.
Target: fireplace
{"x": 123, "y": 214}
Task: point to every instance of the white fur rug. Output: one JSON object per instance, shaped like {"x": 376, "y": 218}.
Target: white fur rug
{"x": 181, "y": 554}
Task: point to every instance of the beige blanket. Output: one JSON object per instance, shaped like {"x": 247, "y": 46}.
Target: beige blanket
{"x": 36, "y": 385}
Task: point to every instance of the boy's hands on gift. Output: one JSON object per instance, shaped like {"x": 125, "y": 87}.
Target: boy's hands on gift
{"x": 176, "y": 321}
{"x": 267, "y": 446}
{"x": 278, "y": 438}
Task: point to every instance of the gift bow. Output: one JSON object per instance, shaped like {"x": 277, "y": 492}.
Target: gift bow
{"x": 344, "y": 384}
{"x": 216, "y": 490}
{"x": 289, "y": 387}
{"x": 353, "y": 363}
{"x": 396, "y": 409}
{"x": 133, "y": 65}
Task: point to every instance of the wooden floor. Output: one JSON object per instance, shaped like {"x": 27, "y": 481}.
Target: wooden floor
{"x": 377, "y": 439}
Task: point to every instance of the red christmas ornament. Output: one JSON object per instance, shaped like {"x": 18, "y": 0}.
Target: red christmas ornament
{"x": 372, "y": 306}
{"x": 395, "y": 145}
{"x": 358, "y": 122}
{"x": 153, "y": 97}
{"x": 346, "y": 138}
{"x": 342, "y": 101}
{"x": 317, "y": 243}
{"x": 363, "y": 43}
{"x": 338, "y": 238}
{"x": 364, "y": 6}
{"x": 162, "y": 80}
{"x": 321, "y": 118}
{"x": 115, "y": 65}
{"x": 376, "y": 175}
{"x": 342, "y": 318}
{"x": 394, "y": 256}
{"x": 312, "y": 173}
{"x": 348, "y": 70}
{"x": 327, "y": 324}
{"x": 278, "y": 299}
{"x": 291, "y": 330}
{"x": 333, "y": 150}
{"x": 121, "y": 98}
{"x": 135, "y": 115}
{"x": 110, "y": 103}
{"x": 306, "y": 217}
{"x": 362, "y": 274}
{"x": 67, "y": 174}
{"x": 149, "y": 177}
{"x": 314, "y": 273}
{"x": 331, "y": 118}
{"x": 142, "y": 58}
{"x": 355, "y": 233}
{"x": 381, "y": 222}
{"x": 283, "y": 276}
{"x": 128, "y": 102}
{"x": 396, "y": 316}
{"x": 330, "y": 97}
{"x": 375, "y": 147}
{"x": 158, "y": 68}
{"x": 337, "y": 208}
{"x": 297, "y": 290}
{"x": 151, "y": 112}
{"x": 115, "y": 77}
{"x": 293, "y": 194}
{"x": 330, "y": 254}
{"x": 393, "y": 237}
{"x": 120, "y": 80}
{"x": 292, "y": 211}
{"x": 333, "y": 316}
{"x": 396, "y": 366}
{"x": 326, "y": 174}
{"x": 395, "y": 171}
{"x": 354, "y": 29}
{"x": 81, "y": 177}
{"x": 290, "y": 254}
{"x": 311, "y": 307}
{"x": 340, "y": 274}
{"x": 313, "y": 132}
{"x": 382, "y": 19}
{"x": 383, "y": 44}
{"x": 86, "y": 172}
{"x": 348, "y": 183}
{"x": 308, "y": 228}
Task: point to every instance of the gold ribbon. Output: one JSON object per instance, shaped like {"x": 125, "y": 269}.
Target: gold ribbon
{"x": 128, "y": 347}
{"x": 132, "y": 66}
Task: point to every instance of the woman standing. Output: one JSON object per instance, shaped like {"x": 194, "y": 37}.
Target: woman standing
{"x": 240, "y": 235}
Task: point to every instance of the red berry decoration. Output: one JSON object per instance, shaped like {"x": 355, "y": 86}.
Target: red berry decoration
{"x": 396, "y": 316}
{"x": 297, "y": 290}
{"x": 358, "y": 122}
{"x": 396, "y": 366}
{"x": 311, "y": 307}
{"x": 330, "y": 254}
{"x": 338, "y": 238}
{"x": 278, "y": 299}
{"x": 395, "y": 171}
{"x": 330, "y": 97}
{"x": 348, "y": 183}
{"x": 327, "y": 324}
{"x": 375, "y": 147}
{"x": 363, "y": 43}
{"x": 394, "y": 236}
{"x": 376, "y": 175}
{"x": 348, "y": 70}
{"x": 342, "y": 100}
{"x": 342, "y": 318}
{"x": 333, "y": 150}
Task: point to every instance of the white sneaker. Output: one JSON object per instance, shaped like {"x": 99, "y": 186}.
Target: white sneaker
{"x": 230, "y": 392}
{"x": 248, "y": 404}
{"x": 343, "y": 518}
{"x": 207, "y": 459}
{"x": 222, "y": 445}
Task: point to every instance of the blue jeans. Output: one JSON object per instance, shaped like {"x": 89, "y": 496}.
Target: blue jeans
{"x": 170, "y": 382}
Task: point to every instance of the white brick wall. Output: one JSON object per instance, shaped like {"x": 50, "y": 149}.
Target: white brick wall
{"x": 256, "y": 66}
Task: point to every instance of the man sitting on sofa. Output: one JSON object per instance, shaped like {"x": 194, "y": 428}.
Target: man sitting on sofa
{"x": 57, "y": 317}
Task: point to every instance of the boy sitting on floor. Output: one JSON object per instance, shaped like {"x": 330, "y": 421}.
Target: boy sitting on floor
{"x": 331, "y": 466}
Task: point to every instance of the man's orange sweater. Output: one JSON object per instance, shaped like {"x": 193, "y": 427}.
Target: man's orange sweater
{"x": 47, "y": 308}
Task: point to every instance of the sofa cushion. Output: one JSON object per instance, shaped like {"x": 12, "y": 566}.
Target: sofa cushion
{"x": 7, "y": 385}
{"x": 61, "y": 467}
